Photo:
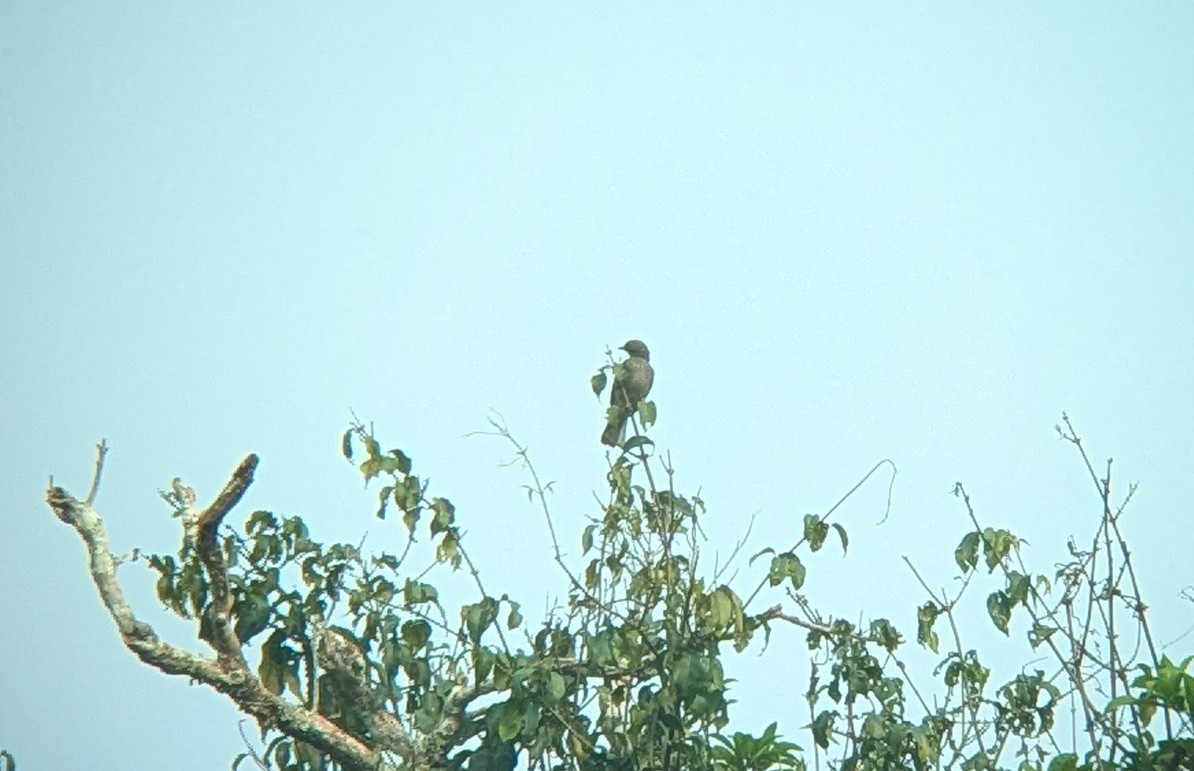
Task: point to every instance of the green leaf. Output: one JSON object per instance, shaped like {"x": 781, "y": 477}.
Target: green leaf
{"x": 646, "y": 412}
{"x": 597, "y": 382}
{"x": 483, "y": 661}
{"x": 448, "y": 549}
{"x": 493, "y": 757}
{"x": 346, "y": 444}
{"x": 252, "y": 615}
{"x": 381, "y": 590}
{"x": 725, "y": 610}
{"x": 999, "y": 609}
{"x": 602, "y": 648}
{"x": 822, "y": 728}
{"x": 445, "y": 515}
{"x": 478, "y": 617}
{"x": 885, "y": 634}
{"x": 815, "y": 531}
{"x": 1018, "y": 586}
{"x": 874, "y": 727}
{"x": 410, "y": 519}
{"x": 1148, "y": 708}
{"x": 1040, "y": 633}
{"x": 586, "y": 539}
{"x": 760, "y": 553}
{"x": 383, "y": 498}
{"x": 416, "y": 633}
{"x": 403, "y": 462}
{"x": 926, "y": 616}
{"x": 408, "y": 493}
{"x": 416, "y": 592}
{"x": 635, "y": 442}
{"x": 555, "y": 688}
{"x": 997, "y": 544}
{"x": 966, "y": 555}
{"x": 514, "y": 620}
{"x": 509, "y": 722}
{"x": 786, "y": 566}
{"x": 841, "y": 531}
{"x": 1066, "y": 762}
{"x": 695, "y": 674}
{"x": 269, "y": 670}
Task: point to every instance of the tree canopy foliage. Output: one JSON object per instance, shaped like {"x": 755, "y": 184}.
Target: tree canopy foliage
{"x": 348, "y": 659}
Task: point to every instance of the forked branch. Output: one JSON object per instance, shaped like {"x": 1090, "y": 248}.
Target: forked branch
{"x": 227, "y": 674}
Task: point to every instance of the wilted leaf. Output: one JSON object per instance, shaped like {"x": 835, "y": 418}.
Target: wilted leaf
{"x": 966, "y": 555}
{"x": 786, "y": 566}
{"x": 926, "y": 616}
{"x": 646, "y": 412}
{"x": 383, "y": 498}
{"x": 999, "y": 609}
{"x": 815, "y": 531}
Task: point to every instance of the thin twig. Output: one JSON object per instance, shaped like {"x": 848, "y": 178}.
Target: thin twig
{"x": 833, "y": 508}
{"x": 101, "y": 451}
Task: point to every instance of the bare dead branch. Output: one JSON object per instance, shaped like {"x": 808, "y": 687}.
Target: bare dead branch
{"x": 207, "y": 544}
{"x": 233, "y": 491}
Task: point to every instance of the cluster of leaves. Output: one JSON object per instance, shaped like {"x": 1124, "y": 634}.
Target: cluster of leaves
{"x": 972, "y": 725}
{"x": 629, "y": 672}
{"x": 286, "y": 587}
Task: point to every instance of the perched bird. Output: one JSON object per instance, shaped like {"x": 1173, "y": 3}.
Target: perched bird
{"x": 631, "y": 387}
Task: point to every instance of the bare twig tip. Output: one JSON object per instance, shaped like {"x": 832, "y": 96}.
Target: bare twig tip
{"x": 101, "y": 451}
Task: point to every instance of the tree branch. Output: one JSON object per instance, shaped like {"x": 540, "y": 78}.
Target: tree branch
{"x": 207, "y": 544}
{"x": 101, "y": 451}
{"x": 236, "y": 682}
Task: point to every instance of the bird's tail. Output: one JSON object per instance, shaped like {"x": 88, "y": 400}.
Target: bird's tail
{"x": 613, "y": 432}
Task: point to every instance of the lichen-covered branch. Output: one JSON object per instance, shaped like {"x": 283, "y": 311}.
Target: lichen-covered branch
{"x": 207, "y": 544}
{"x": 345, "y": 663}
{"x": 228, "y": 675}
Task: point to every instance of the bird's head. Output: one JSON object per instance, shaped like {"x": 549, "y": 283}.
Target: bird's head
{"x": 637, "y": 348}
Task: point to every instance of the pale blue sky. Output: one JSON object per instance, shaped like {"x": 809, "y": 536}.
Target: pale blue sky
{"x": 847, "y": 232}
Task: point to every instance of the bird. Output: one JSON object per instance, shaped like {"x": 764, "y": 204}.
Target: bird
{"x": 631, "y": 387}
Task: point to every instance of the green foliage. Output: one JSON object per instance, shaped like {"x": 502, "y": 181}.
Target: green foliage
{"x": 743, "y": 752}
{"x": 1170, "y": 687}
{"x": 629, "y": 669}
